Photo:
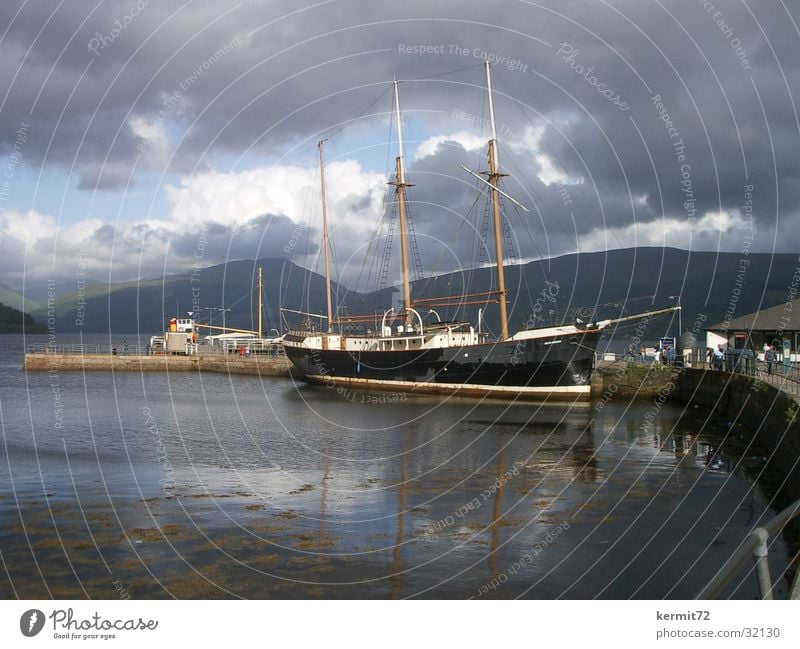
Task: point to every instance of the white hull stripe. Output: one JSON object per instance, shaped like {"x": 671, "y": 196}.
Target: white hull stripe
{"x": 455, "y": 388}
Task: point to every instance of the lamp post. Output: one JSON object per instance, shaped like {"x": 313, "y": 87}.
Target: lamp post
{"x": 677, "y": 299}
{"x": 223, "y": 316}
{"x": 211, "y": 310}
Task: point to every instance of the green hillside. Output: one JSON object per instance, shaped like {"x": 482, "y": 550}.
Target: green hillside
{"x": 145, "y": 306}
{"x": 13, "y": 321}
{"x": 12, "y": 298}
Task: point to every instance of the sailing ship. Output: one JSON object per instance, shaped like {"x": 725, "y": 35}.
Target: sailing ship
{"x": 447, "y": 357}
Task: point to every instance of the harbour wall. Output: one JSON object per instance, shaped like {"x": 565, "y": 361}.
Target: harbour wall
{"x": 621, "y": 380}
{"x": 219, "y": 363}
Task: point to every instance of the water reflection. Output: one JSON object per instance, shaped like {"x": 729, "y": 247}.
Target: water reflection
{"x": 396, "y": 581}
{"x": 290, "y": 491}
{"x": 497, "y": 508}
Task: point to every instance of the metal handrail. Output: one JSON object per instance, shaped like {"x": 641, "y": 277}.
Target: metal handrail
{"x": 120, "y": 350}
{"x": 265, "y": 349}
{"x": 755, "y": 545}
{"x": 782, "y": 378}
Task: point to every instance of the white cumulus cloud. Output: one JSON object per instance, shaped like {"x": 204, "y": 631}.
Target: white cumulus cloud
{"x": 723, "y": 230}
{"x": 469, "y": 141}
{"x": 233, "y": 198}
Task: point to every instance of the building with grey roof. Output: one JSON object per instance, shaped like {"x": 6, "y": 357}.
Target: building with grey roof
{"x": 778, "y": 325}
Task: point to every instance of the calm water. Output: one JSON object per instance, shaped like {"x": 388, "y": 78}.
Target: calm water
{"x": 183, "y": 486}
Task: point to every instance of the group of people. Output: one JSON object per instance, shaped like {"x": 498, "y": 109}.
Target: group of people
{"x": 716, "y": 357}
{"x": 665, "y": 354}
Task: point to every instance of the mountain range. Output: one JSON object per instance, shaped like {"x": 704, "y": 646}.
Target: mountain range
{"x": 711, "y": 286}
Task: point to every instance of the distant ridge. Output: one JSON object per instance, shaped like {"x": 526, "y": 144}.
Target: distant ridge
{"x": 13, "y": 321}
{"x": 712, "y": 286}
{"x": 14, "y": 299}
{"x": 145, "y": 305}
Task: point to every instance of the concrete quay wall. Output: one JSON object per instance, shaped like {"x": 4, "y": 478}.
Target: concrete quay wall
{"x": 219, "y": 363}
{"x": 621, "y": 380}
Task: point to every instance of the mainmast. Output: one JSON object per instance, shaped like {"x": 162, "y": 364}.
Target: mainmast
{"x": 400, "y": 185}
{"x": 494, "y": 179}
{"x": 325, "y": 240}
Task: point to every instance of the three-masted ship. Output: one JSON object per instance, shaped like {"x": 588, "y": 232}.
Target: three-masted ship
{"x": 446, "y": 357}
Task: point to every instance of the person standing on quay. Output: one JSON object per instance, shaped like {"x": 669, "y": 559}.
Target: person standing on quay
{"x": 769, "y": 359}
{"x": 718, "y": 356}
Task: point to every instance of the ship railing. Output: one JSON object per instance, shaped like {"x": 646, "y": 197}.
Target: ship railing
{"x": 256, "y": 346}
{"x": 755, "y": 546}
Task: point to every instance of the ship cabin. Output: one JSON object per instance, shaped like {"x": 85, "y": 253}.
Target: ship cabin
{"x": 400, "y": 338}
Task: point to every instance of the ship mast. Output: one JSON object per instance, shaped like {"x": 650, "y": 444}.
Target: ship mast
{"x": 494, "y": 179}
{"x": 260, "y": 305}
{"x": 325, "y": 240}
{"x": 400, "y": 185}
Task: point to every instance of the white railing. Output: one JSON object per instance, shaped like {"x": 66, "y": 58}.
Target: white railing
{"x": 260, "y": 348}
{"x": 111, "y": 349}
{"x": 755, "y": 546}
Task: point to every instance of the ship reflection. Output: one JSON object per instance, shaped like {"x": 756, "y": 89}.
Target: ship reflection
{"x": 396, "y": 579}
{"x": 497, "y": 509}
{"x": 567, "y": 431}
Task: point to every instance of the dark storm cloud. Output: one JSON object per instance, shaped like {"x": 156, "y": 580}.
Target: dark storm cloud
{"x": 265, "y": 236}
{"x": 587, "y": 73}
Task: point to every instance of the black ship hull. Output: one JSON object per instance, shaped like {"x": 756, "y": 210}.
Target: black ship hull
{"x": 550, "y": 367}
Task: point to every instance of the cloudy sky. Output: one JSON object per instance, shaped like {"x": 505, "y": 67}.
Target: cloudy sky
{"x": 140, "y": 137}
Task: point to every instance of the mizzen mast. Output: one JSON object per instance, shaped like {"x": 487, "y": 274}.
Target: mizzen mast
{"x": 325, "y": 237}
{"x": 400, "y": 186}
{"x": 494, "y": 179}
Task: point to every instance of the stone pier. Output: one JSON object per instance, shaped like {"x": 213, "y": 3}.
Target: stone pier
{"x": 219, "y": 363}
